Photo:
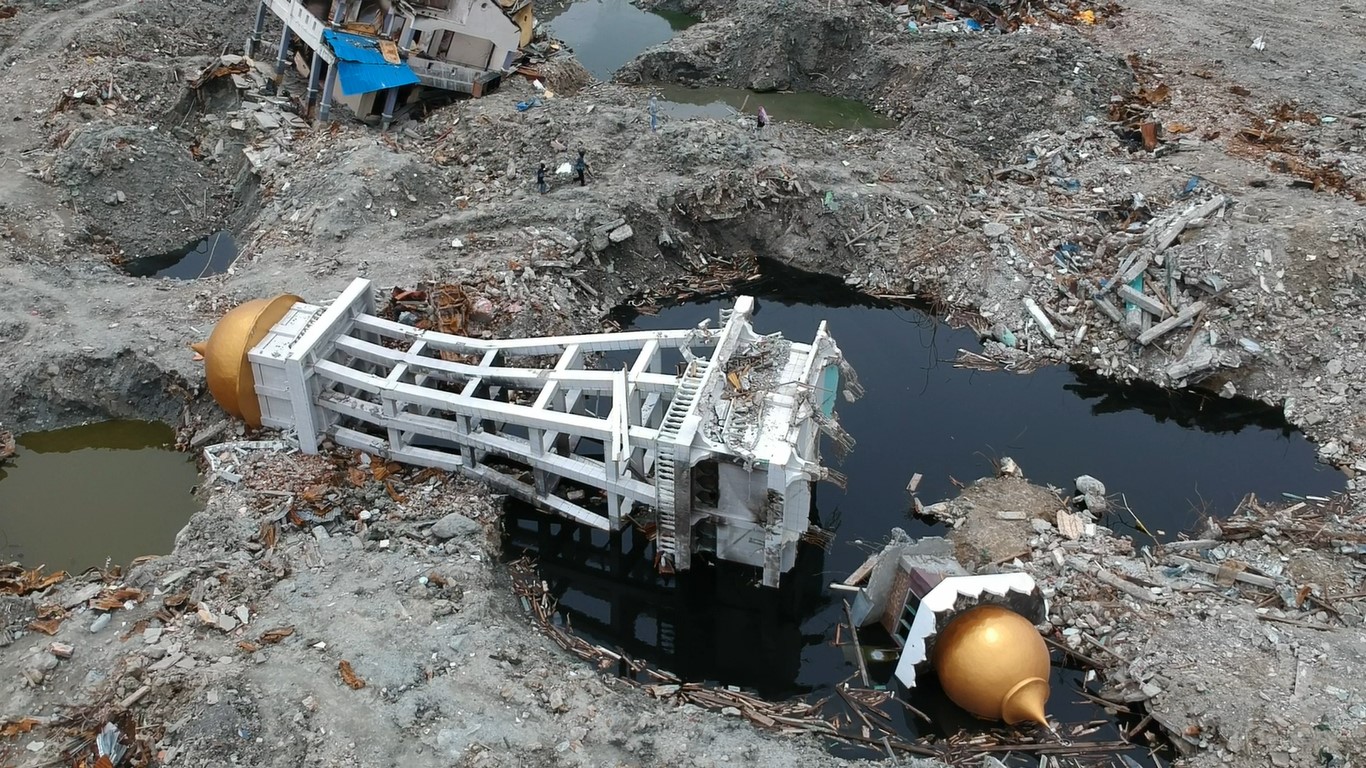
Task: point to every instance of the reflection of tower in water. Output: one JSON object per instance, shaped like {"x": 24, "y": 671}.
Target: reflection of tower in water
{"x": 712, "y": 623}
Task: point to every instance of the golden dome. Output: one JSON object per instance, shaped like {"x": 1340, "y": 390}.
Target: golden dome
{"x": 993, "y": 663}
{"x": 225, "y": 354}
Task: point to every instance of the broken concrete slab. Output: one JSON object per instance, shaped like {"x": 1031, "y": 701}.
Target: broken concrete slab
{"x": 455, "y": 525}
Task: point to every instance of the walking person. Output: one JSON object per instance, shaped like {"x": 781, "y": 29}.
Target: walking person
{"x": 581, "y": 169}
{"x": 540, "y": 180}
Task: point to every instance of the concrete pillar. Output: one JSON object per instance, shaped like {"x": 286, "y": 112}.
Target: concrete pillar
{"x": 325, "y": 109}
{"x": 284, "y": 50}
{"x": 313, "y": 72}
{"x": 390, "y": 99}
{"x": 254, "y": 44}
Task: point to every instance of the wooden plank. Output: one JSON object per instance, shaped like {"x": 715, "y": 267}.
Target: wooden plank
{"x": 1142, "y": 301}
{"x": 1174, "y": 230}
{"x": 1215, "y": 570}
{"x": 1105, "y": 577}
{"x": 1137, "y": 268}
{"x": 860, "y": 573}
{"x": 1045, "y": 325}
{"x": 1107, "y": 309}
{"x": 1166, "y": 326}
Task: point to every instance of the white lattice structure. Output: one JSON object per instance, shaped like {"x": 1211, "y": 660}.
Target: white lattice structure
{"x": 725, "y": 450}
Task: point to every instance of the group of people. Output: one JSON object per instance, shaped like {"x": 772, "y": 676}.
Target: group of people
{"x": 581, "y": 164}
{"x": 580, "y": 173}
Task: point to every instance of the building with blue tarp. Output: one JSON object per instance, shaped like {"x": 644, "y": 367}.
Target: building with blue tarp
{"x": 362, "y": 66}
{"x": 368, "y": 52}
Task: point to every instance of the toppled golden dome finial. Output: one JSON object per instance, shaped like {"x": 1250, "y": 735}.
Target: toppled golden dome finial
{"x": 225, "y": 354}
{"x": 992, "y": 662}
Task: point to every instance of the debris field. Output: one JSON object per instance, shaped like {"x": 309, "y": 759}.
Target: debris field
{"x": 1162, "y": 192}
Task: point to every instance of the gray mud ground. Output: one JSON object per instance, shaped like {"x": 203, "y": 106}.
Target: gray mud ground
{"x": 1005, "y": 152}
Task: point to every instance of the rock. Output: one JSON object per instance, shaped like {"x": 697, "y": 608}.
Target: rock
{"x": 1092, "y": 492}
{"x": 1011, "y": 514}
{"x": 166, "y": 662}
{"x": 455, "y": 524}
{"x": 35, "y": 676}
{"x": 242, "y": 614}
{"x": 994, "y": 229}
{"x": 36, "y": 746}
{"x": 1089, "y": 486}
{"x": 563, "y": 239}
{"x": 100, "y": 622}
{"x": 151, "y": 635}
{"x": 621, "y": 233}
{"x": 1004, "y": 335}
{"x": 46, "y": 662}
{"x": 227, "y": 623}
{"x": 1280, "y": 759}
{"x": 61, "y": 650}
{"x": 1008, "y": 468}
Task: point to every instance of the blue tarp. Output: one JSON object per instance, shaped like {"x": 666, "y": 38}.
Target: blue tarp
{"x": 361, "y": 67}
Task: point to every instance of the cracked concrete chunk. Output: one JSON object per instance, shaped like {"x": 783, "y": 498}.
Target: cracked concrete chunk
{"x": 455, "y": 525}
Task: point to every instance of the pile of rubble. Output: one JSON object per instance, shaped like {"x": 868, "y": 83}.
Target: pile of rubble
{"x": 272, "y": 118}
{"x": 1242, "y": 643}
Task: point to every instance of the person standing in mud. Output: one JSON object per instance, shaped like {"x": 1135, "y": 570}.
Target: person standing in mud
{"x": 541, "y": 186}
{"x": 581, "y": 169}
{"x": 760, "y": 120}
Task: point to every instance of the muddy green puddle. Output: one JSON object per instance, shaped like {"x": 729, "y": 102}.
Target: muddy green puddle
{"x": 74, "y": 498}
{"x": 605, "y": 34}
{"x": 681, "y": 101}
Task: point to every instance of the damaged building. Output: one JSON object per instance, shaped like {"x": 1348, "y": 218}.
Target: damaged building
{"x": 372, "y": 55}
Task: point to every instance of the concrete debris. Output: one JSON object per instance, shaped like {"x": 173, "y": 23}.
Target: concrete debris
{"x": 456, "y": 525}
{"x": 1091, "y": 494}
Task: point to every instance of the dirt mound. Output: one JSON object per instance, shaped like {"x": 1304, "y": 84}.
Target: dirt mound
{"x": 139, "y": 187}
{"x": 988, "y": 92}
{"x": 815, "y": 49}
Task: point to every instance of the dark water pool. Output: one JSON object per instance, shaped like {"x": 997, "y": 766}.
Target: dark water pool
{"x": 211, "y": 255}
{"x": 75, "y": 498}
{"x": 1173, "y": 457}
